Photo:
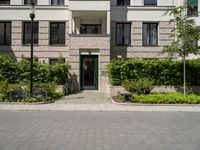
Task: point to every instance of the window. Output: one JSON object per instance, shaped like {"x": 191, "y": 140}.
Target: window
{"x": 192, "y": 9}
{"x": 150, "y": 34}
{"x": 4, "y": 2}
{"x": 27, "y": 33}
{"x": 123, "y": 2}
{"x": 28, "y": 2}
{"x": 5, "y": 33}
{"x": 90, "y": 29}
{"x": 150, "y": 2}
{"x": 57, "y": 2}
{"x": 123, "y": 34}
{"x": 55, "y": 61}
{"x": 29, "y": 59}
{"x": 57, "y": 33}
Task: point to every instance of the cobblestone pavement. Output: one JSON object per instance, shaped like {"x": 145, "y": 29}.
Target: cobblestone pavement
{"x": 83, "y": 130}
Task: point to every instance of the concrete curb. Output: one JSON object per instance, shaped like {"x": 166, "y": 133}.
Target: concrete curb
{"x": 99, "y": 107}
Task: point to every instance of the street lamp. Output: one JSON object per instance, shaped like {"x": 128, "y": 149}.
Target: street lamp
{"x": 32, "y": 16}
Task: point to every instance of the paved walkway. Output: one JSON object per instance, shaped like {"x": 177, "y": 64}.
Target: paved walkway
{"x": 85, "y": 97}
{"x": 96, "y": 101}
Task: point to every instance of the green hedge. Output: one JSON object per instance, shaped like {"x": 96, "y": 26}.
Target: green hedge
{"x": 14, "y": 72}
{"x": 160, "y": 72}
{"x": 168, "y": 98}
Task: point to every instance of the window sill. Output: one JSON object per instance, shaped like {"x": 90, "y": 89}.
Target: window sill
{"x": 57, "y": 45}
{"x": 123, "y": 45}
{"x": 150, "y": 46}
{"x": 28, "y": 45}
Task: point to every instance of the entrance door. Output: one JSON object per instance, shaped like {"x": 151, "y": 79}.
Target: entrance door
{"x": 89, "y": 72}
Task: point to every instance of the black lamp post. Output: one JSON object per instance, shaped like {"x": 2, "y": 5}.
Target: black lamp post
{"x": 32, "y": 16}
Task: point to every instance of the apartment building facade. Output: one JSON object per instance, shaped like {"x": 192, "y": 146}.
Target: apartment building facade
{"x": 88, "y": 33}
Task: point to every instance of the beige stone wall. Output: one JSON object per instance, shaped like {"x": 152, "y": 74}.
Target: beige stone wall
{"x": 43, "y": 51}
{"x": 94, "y": 46}
{"x": 136, "y": 49}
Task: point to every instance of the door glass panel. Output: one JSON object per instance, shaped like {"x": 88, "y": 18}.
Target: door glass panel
{"x": 88, "y": 67}
{"x": 89, "y": 73}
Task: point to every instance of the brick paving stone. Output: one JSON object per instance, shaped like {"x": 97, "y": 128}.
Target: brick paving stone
{"x": 90, "y": 130}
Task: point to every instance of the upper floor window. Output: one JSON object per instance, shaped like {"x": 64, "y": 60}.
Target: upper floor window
{"x": 150, "y": 34}
{"x": 192, "y": 8}
{"x": 123, "y": 34}
{"x": 90, "y": 29}
{"x": 57, "y": 33}
{"x": 123, "y": 2}
{"x": 4, "y": 2}
{"x": 57, "y": 2}
{"x": 5, "y": 33}
{"x": 28, "y": 2}
{"x": 150, "y": 2}
{"x": 27, "y": 33}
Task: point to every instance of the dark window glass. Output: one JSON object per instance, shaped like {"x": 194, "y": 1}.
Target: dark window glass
{"x": 4, "y": 2}
{"x": 57, "y": 2}
{"x": 192, "y": 9}
{"x": 123, "y": 34}
{"x": 28, "y": 2}
{"x": 123, "y": 2}
{"x": 55, "y": 61}
{"x": 5, "y": 33}
{"x": 27, "y": 33}
{"x": 90, "y": 29}
{"x": 57, "y": 33}
{"x": 150, "y": 34}
{"x": 29, "y": 59}
{"x": 150, "y": 2}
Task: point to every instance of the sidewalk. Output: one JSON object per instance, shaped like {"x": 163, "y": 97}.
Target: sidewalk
{"x": 100, "y": 107}
{"x": 96, "y": 101}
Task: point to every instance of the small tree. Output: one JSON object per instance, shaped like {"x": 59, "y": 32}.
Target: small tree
{"x": 186, "y": 33}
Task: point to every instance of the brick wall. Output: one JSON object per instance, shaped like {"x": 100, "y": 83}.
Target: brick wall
{"x": 136, "y": 49}
{"x": 43, "y": 51}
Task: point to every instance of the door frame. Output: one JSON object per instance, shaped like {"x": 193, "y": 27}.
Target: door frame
{"x": 96, "y": 87}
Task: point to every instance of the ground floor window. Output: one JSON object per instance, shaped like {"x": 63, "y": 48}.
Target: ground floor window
{"x": 27, "y": 32}
{"x": 57, "y": 33}
{"x": 5, "y": 33}
{"x": 123, "y": 34}
{"x": 54, "y": 61}
{"x": 150, "y": 34}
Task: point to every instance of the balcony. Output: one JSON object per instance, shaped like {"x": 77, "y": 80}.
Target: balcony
{"x": 96, "y": 22}
{"x": 95, "y": 5}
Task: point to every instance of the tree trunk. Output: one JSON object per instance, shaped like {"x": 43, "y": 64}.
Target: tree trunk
{"x": 184, "y": 75}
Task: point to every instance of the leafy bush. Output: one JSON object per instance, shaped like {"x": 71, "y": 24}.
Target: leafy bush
{"x": 141, "y": 86}
{"x": 160, "y": 72}
{"x": 167, "y": 98}
{"x": 119, "y": 97}
{"x": 6, "y": 88}
{"x": 14, "y": 71}
{"x": 2, "y": 97}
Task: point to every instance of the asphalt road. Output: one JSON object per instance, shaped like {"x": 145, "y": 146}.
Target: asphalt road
{"x": 88, "y": 130}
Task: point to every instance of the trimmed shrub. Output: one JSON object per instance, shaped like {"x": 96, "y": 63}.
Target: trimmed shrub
{"x": 141, "y": 86}
{"x": 159, "y": 72}
{"x": 167, "y": 98}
